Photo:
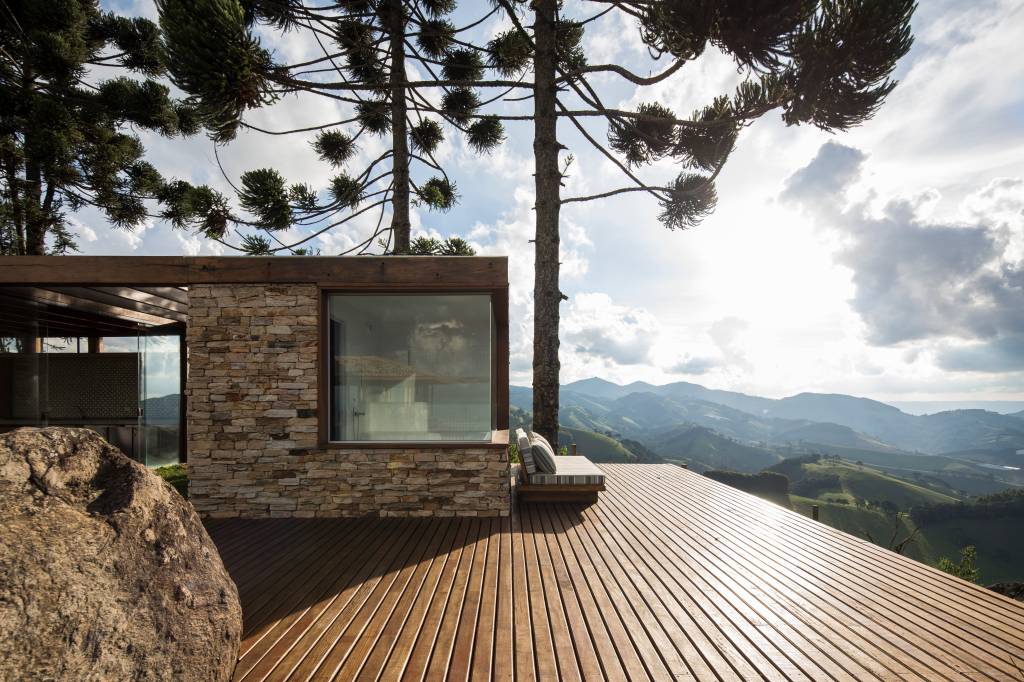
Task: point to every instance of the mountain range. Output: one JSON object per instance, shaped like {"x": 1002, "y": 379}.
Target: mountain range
{"x": 658, "y": 416}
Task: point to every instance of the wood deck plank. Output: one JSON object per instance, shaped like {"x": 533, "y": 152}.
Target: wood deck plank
{"x": 420, "y": 637}
{"x": 546, "y": 606}
{"x": 818, "y": 614}
{"x": 504, "y": 626}
{"x": 636, "y": 613}
{"x": 487, "y": 623}
{"x": 361, "y": 613}
{"x": 669, "y": 576}
{"x": 800, "y": 641}
{"x": 308, "y": 653}
{"x": 376, "y": 632}
{"x": 290, "y": 642}
{"x": 960, "y": 653}
{"x": 456, "y": 608}
{"x": 524, "y": 654}
{"x": 580, "y": 638}
{"x": 615, "y": 652}
{"x": 297, "y": 610}
{"x": 396, "y": 640}
{"x": 811, "y": 601}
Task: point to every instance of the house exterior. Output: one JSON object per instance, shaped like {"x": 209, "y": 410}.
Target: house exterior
{"x": 311, "y": 386}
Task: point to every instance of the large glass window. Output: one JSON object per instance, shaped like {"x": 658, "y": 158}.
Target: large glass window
{"x": 410, "y": 367}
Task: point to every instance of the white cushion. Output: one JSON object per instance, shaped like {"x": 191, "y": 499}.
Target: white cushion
{"x": 543, "y": 454}
{"x": 525, "y": 451}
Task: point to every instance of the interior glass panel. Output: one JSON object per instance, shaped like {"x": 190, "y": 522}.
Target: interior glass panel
{"x": 410, "y": 367}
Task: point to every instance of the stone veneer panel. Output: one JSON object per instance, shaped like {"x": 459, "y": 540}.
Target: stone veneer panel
{"x": 253, "y": 431}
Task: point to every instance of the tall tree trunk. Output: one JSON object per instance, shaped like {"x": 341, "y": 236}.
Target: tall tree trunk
{"x": 14, "y": 196}
{"x": 400, "y": 225}
{"x": 35, "y": 220}
{"x": 547, "y": 178}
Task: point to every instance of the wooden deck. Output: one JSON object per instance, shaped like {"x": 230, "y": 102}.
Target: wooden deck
{"x": 670, "y": 575}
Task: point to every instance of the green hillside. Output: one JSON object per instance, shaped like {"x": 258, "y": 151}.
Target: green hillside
{"x": 948, "y": 472}
{"x": 998, "y": 559}
{"x": 597, "y": 447}
{"x": 866, "y": 483}
{"x": 869, "y": 524}
{"x": 709, "y": 449}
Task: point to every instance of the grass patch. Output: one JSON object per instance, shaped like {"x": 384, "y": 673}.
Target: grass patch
{"x": 176, "y": 475}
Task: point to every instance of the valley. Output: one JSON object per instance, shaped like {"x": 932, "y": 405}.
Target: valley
{"x": 865, "y": 464}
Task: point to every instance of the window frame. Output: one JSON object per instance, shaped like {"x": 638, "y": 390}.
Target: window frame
{"x": 499, "y": 367}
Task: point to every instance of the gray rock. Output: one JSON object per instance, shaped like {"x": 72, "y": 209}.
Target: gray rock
{"x": 106, "y": 573}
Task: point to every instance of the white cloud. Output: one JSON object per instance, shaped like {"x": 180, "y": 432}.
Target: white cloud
{"x": 594, "y": 327}
{"x": 956, "y": 285}
{"x": 943, "y": 153}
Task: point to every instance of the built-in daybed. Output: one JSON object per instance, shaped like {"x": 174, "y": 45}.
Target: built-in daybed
{"x": 546, "y": 477}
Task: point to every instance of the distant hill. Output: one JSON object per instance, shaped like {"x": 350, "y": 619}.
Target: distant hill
{"x": 596, "y": 447}
{"x": 833, "y": 479}
{"x": 162, "y": 410}
{"x": 825, "y": 434}
{"x": 933, "y": 406}
{"x": 637, "y": 409}
{"x": 703, "y": 448}
{"x": 960, "y": 475}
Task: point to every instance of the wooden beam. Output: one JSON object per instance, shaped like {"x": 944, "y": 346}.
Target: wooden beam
{"x": 26, "y": 314}
{"x": 173, "y": 293}
{"x": 350, "y": 271}
{"x": 125, "y": 298}
{"x": 148, "y": 297}
{"x": 61, "y": 299}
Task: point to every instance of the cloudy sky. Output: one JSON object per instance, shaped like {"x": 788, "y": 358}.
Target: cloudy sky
{"x": 886, "y": 262}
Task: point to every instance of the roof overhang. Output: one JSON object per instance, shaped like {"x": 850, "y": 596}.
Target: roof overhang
{"x": 111, "y": 295}
{"x": 485, "y": 272}
{"x": 90, "y": 311}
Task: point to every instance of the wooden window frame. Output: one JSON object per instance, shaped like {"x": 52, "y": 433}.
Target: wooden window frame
{"x": 499, "y": 368}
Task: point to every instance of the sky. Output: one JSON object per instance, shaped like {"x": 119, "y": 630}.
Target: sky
{"x": 886, "y": 261}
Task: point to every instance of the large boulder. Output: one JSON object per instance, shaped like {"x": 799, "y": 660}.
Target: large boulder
{"x": 106, "y": 573}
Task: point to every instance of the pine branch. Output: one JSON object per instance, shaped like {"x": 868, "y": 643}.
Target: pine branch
{"x": 625, "y": 73}
{"x": 621, "y": 190}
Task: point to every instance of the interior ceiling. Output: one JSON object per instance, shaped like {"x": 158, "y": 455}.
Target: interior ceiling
{"x": 90, "y": 311}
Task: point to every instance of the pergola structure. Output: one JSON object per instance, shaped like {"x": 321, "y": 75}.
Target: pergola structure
{"x": 56, "y": 369}
{"x": 91, "y": 311}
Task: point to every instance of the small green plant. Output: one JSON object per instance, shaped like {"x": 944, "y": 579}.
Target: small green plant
{"x": 176, "y": 475}
{"x": 563, "y": 450}
{"x": 966, "y": 569}
{"x": 513, "y": 454}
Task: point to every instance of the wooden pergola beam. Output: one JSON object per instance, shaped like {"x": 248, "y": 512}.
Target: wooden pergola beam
{"x": 62, "y": 299}
{"x": 39, "y": 318}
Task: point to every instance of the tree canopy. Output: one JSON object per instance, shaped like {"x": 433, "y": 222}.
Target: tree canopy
{"x": 400, "y": 69}
{"x": 827, "y": 63}
{"x": 65, "y": 131}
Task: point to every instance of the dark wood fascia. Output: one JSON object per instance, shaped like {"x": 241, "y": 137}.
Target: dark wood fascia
{"x": 438, "y": 272}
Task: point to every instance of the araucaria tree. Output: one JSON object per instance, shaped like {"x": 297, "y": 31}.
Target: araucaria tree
{"x": 402, "y": 71}
{"x": 825, "y": 63}
{"x": 65, "y": 140}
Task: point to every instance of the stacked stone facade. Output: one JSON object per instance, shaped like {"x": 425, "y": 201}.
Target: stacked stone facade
{"x": 253, "y": 431}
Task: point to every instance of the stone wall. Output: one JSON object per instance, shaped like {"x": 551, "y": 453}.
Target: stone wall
{"x": 253, "y": 447}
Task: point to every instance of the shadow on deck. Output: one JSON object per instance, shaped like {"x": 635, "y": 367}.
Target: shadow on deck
{"x": 669, "y": 576}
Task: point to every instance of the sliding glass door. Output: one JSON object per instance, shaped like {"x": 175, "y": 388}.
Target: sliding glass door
{"x": 160, "y": 395}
